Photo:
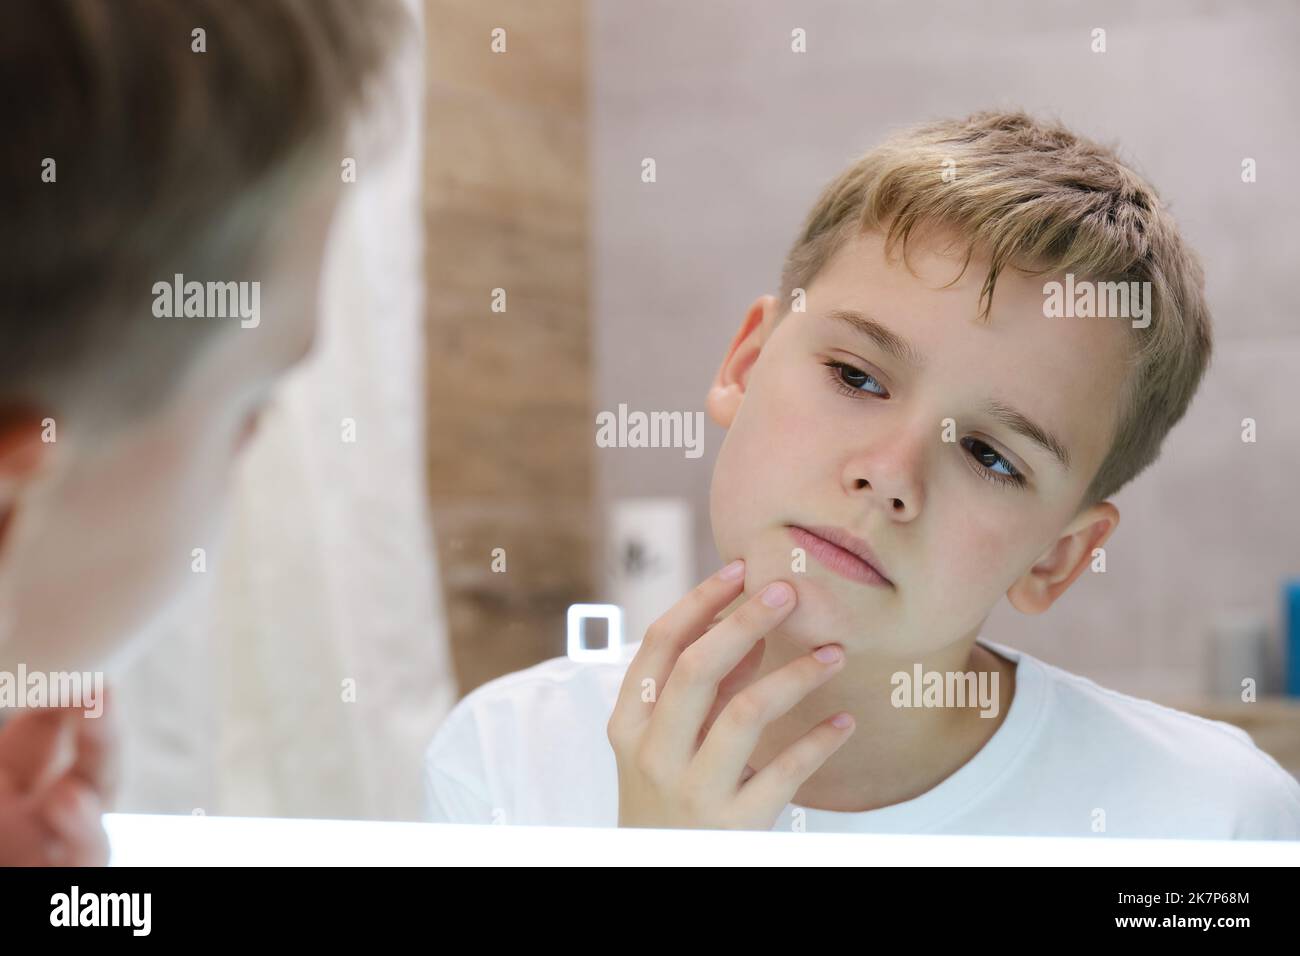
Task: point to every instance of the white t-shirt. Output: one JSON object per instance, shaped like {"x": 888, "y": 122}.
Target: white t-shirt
{"x": 1070, "y": 758}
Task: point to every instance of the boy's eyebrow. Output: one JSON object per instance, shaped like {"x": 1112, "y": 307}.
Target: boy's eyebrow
{"x": 895, "y": 345}
{"x": 901, "y": 349}
{"x": 1019, "y": 422}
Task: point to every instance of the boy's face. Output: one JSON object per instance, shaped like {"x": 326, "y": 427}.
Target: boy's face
{"x": 826, "y": 427}
{"x": 103, "y": 529}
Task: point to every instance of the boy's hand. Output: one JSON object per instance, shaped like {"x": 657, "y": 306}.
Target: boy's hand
{"x": 57, "y": 775}
{"x": 683, "y": 759}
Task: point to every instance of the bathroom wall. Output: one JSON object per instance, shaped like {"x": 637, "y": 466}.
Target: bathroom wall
{"x": 745, "y": 133}
{"x": 509, "y": 395}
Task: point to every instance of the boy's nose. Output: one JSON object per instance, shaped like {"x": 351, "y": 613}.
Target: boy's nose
{"x": 889, "y": 483}
{"x": 899, "y": 508}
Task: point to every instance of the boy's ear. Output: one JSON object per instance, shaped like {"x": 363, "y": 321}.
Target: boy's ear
{"x": 729, "y": 384}
{"x": 22, "y": 453}
{"x": 1057, "y": 569}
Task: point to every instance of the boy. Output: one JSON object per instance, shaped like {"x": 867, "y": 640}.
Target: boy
{"x": 146, "y": 141}
{"x": 914, "y": 430}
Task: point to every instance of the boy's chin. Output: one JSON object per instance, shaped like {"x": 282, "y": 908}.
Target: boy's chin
{"x": 829, "y": 609}
{"x": 820, "y": 618}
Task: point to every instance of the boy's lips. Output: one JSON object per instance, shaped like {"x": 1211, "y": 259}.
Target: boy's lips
{"x": 842, "y": 552}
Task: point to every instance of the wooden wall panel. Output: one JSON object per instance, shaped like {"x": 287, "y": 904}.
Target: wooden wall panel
{"x": 510, "y": 446}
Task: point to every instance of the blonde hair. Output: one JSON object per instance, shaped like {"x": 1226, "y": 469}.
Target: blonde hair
{"x": 1033, "y": 196}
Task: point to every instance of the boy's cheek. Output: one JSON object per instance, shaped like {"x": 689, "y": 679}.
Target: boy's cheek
{"x": 726, "y": 514}
{"x": 740, "y": 472}
{"x": 155, "y": 533}
{"x": 978, "y": 556}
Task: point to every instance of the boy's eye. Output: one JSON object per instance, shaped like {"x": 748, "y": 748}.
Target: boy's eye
{"x": 987, "y": 461}
{"x": 851, "y": 380}
{"x": 992, "y": 465}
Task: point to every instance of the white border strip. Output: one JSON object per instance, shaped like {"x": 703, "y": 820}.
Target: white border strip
{"x": 152, "y": 840}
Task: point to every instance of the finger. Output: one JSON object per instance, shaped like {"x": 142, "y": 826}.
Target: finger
{"x": 768, "y": 791}
{"x": 731, "y": 741}
{"x": 36, "y": 748}
{"x": 25, "y": 840}
{"x": 741, "y": 676}
{"x": 97, "y": 760}
{"x": 693, "y": 684}
{"x": 683, "y": 623}
{"x": 74, "y": 814}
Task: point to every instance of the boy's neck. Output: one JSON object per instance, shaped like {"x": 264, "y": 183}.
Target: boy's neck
{"x": 895, "y": 753}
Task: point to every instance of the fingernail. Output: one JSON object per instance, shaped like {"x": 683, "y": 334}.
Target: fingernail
{"x": 842, "y": 721}
{"x": 828, "y": 654}
{"x": 774, "y": 595}
{"x": 732, "y": 571}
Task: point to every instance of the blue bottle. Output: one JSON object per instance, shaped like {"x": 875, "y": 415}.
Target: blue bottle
{"x": 1291, "y": 634}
